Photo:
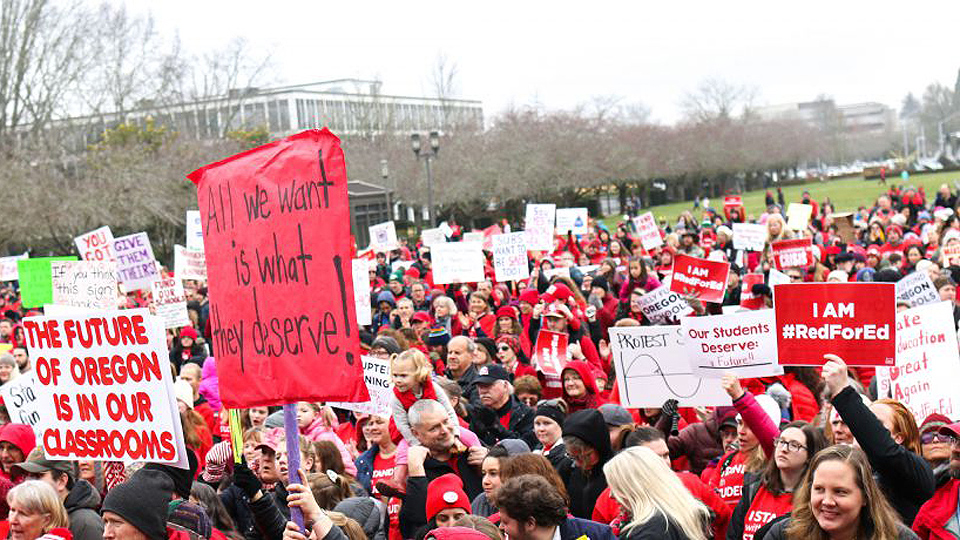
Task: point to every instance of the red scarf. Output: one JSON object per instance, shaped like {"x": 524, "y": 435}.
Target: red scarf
{"x": 408, "y": 398}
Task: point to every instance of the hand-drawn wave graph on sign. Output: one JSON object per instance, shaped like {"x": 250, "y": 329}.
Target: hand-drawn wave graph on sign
{"x": 644, "y": 366}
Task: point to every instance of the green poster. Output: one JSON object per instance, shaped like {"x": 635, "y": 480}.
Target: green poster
{"x": 36, "y": 281}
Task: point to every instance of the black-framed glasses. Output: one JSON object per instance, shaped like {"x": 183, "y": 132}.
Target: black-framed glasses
{"x": 792, "y": 446}
{"x": 934, "y": 437}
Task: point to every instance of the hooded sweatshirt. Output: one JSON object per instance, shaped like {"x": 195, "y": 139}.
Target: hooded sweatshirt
{"x": 592, "y": 399}
{"x": 21, "y": 436}
{"x": 585, "y": 487}
{"x": 82, "y": 503}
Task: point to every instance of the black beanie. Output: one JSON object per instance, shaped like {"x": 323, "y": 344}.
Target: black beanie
{"x": 488, "y": 344}
{"x": 142, "y": 502}
{"x": 601, "y": 282}
{"x": 182, "y": 478}
{"x": 551, "y": 411}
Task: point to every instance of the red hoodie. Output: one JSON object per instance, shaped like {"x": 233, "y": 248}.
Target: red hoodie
{"x": 592, "y": 400}
{"x": 21, "y": 436}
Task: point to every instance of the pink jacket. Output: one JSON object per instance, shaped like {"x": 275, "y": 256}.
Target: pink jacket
{"x": 320, "y": 432}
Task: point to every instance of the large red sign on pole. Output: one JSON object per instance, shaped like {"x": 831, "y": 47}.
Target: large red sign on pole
{"x": 276, "y": 227}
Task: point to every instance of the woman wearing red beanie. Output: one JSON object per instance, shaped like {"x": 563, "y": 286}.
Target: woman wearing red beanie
{"x": 446, "y": 501}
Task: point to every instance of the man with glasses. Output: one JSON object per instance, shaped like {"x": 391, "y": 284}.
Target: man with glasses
{"x": 940, "y": 516}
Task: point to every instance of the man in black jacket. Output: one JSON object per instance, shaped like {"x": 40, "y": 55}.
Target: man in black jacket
{"x": 500, "y": 414}
{"x": 440, "y": 452}
{"x": 587, "y": 441}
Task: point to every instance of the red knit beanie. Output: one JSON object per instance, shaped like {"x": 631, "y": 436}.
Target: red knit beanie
{"x": 446, "y": 492}
{"x": 530, "y": 296}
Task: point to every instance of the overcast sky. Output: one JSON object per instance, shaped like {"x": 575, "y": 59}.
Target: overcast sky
{"x": 560, "y": 54}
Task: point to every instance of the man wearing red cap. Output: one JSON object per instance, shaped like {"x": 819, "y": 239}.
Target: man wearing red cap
{"x": 439, "y": 453}
{"x": 940, "y": 516}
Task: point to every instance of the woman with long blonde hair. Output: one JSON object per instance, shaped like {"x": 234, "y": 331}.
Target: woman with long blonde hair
{"x": 654, "y": 498}
{"x": 840, "y": 500}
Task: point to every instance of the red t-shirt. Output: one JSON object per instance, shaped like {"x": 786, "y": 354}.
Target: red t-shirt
{"x": 728, "y": 481}
{"x": 382, "y": 469}
{"x": 393, "y": 514}
{"x": 766, "y": 506}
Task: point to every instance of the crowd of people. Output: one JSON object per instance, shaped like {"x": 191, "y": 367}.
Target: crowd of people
{"x": 480, "y": 443}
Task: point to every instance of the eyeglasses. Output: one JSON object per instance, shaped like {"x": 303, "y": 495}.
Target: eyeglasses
{"x": 792, "y": 446}
{"x": 933, "y": 437}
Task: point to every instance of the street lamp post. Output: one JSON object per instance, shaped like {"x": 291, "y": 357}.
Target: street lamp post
{"x": 428, "y": 157}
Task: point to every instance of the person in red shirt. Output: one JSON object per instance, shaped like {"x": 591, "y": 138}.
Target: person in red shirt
{"x": 934, "y": 519}
{"x": 769, "y": 495}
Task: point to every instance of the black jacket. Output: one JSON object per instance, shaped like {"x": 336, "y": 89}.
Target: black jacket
{"x": 485, "y": 422}
{"x": 263, "y": 519}
{"x": 585, "y": 487}
{"x": 82, "y": 503}
{"x": 557, "y": 456}
{"x": 905, "y": 478}
{"x": 468, "y": 385}
{"x": 656, "y": 528}
{"x": 413, "y": 512}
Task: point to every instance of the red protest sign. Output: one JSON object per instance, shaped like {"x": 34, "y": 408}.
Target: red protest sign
{"x": 706, "y": 279}
{"x": 790, "y": 253}
{"x": 732, "y": 200}
{"x": 951, "y": 254}
{"x": 550, "y": 353}
{"x": 276, "y": 227}
{"x": 747, "y": 298}
{"x": 855, "y": 321}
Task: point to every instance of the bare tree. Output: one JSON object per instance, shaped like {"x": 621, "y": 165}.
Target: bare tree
{"x": 716, "y": 99}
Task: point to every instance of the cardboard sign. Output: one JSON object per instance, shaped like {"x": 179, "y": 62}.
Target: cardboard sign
{"x": 276, "y": 222}
{"x": 431, "y": 237}
{"x": 562, "y": 271}
{"x": 538, "y": 226}
{"x": 170, "y": 302}
{"x": 916, "y": 289}
{"x": 376, "y": 375}
{"x": 457, "y": 262}
{"x": 510, "y": 257}
{"x": 648, "y": 231}
{"x": 798, "y": 216}
{"x": 189, "y": 263}
{"x": 572, "y": 220}
{"x": 96, "y": 245}
{"x": 473, "y": 237}
{"x": 792, "y": 253}
{"x": 855, "y": 321}
{"x": 749, "y": 236}
{"x": 651, "y": 368}
{"x": 928, "y": 362}
{"x": 20, "y": 398}
{"x": 36, "y": 280}
{"x": 84, "y": 284}
{"x": 662, "y": 305}
{"x": 845, "y": 228}
{"x": 777, "y": 277}
{"x": 706, "y": 279}
{"x": 742, "y": 344}
{"x": 361, "y": 290}
{"x": 194, "y": 231}
{"x": 104, "y": 388}
{"x": 383, "y": 237}
{"x": 747, "y": 298}
{"x": 8, "y": 267}
{"x": 950, "y": 254}
{"x": 550, "y": 352}
{"x": 136, "y": 266}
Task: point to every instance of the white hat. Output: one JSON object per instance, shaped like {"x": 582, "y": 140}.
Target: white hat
{"x": 723, "y": 229}
{"x": 770, "y": 407}
{"x": 184, "y": 392}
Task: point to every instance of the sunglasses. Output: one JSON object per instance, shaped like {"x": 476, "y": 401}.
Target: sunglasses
{"x": 503, "y": 348}
{"x": 929, "y": 438}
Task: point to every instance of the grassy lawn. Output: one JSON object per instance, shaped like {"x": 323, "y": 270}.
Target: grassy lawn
{"x": 846, "y": 195}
